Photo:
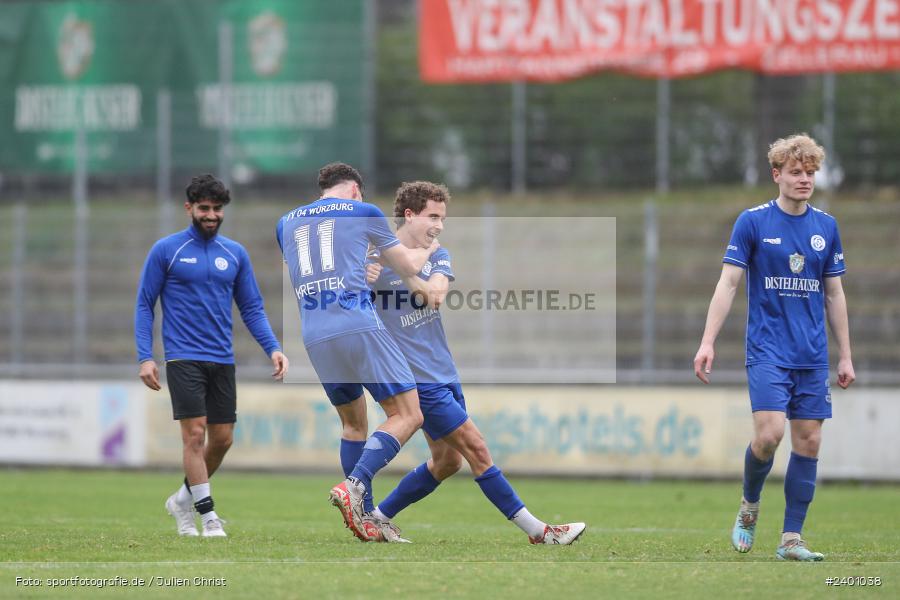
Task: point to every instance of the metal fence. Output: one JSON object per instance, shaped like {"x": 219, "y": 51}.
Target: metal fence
{"x": 66, "y": 307}
{"x": 610, "y": 130}
{"x": 72, "y": 242}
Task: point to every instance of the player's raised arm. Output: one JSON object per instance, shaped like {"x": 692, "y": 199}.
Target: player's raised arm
{"x": 719, "y": 307}
{"x": 836, "y": 311}
{"x": 407, "y": 262}
{"x": 434, "y": 290}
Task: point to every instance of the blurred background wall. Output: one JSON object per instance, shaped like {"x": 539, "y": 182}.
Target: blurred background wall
{"x": 108, "y": 108}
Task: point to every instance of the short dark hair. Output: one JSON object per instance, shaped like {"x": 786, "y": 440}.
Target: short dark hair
{"x": 337, "y": 172}
{"x": 207, "y": 187}
{"x": 415, "y": 195}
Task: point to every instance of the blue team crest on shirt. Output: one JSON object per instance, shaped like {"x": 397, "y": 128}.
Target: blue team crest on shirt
{"x": 221, "y": 263}
{"x": 797, "y": 262}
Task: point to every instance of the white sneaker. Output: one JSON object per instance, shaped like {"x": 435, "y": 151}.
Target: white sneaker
{"x": 213, "y": 528}
{"x": 389, "y": 532}
{"x": 184, "y": 517}
{"x": 796, "y": 550}
{"x": 744, "y": 530}
{"x": 348, "y": 498}
{"x": 562, "y": 535}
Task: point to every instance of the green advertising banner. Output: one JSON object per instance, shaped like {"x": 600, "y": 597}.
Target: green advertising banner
{"x": 73, "y": 67}
{"x": 274, "y": 84}
{"x": 297, "y": 85}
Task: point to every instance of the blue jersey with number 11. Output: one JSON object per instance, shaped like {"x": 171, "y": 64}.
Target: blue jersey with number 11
{"x": 325, "y": 245}
{"x": 787, "y": 258}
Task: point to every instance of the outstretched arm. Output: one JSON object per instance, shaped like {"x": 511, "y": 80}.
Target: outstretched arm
{"x": 836, "y": 312}
{"x": 719, "y": 307}
{"x": 407, "y": 262}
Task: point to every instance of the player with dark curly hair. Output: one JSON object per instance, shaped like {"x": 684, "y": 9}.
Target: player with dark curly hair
{"x": 325, "y": 245}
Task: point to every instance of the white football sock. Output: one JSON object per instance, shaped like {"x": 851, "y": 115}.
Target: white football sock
{"x": 788, "y": 536}
{"x": 528, "y": 523}
{"x": 183, "y": 496}
{"x": 200, "y": 491}
{"x": 379, "y": 515}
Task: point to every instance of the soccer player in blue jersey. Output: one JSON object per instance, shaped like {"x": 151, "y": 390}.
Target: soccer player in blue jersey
{"x": 793, "y": 257}
{"x": 409, "y": 307}
{"x": 197, "y": 273}
{"x": 325, "y": 245}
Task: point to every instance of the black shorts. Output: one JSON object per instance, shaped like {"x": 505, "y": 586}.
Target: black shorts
{"x": 202, "y": 389}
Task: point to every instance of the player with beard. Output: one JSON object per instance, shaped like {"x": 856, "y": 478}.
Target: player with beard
{"x": 196, "y": 273}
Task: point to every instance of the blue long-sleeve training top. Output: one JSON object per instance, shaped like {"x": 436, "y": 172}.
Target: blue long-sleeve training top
{"x": 196, "y": 279}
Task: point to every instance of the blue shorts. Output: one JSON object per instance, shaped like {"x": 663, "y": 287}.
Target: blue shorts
{"x": 369, "y": 359}
{"x": 443, "y": 408}
{"x": 799, "y": 393}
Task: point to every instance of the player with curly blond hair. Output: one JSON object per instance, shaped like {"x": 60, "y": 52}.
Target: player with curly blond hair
{"x": 794, "y": 260}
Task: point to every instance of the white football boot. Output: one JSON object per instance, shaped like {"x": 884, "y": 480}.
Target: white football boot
{"x": 562, "y": 535}
{"x": 213, "y": 528}
{"x": 184, "y": 517}
{"x": 389, "y": 532}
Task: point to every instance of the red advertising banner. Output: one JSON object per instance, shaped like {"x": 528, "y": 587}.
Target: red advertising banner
{"x": 552, "y": 40}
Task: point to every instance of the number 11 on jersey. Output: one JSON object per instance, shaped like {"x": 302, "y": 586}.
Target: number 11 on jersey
{"x": 325, "y": 231}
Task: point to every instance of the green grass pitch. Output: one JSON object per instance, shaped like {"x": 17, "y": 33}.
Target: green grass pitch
{"x": 658, "y": 539}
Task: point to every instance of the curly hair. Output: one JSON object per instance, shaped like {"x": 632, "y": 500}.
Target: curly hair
{"x": 799, "y": 147}
{"x": 207, "y": 187}
{"x": 415, "y": 195}
{"x": 337, "y": 172}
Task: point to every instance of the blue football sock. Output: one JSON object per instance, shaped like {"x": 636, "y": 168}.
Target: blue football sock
{"x": 799, "y": 487}
{"x": 495, "y": 486}
{"x": 755, "y": 472}
{"x": 351, "y": 450}
{"x": 379, "y": 450}
{"x": 417, "y": 484}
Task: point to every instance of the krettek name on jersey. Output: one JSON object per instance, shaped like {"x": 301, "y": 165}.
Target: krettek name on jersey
{"x": 318, "y": 286}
